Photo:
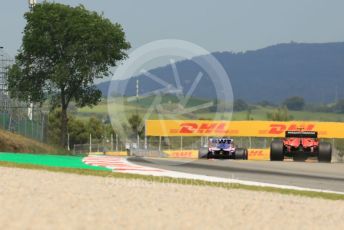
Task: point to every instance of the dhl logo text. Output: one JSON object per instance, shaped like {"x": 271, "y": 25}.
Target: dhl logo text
{"x": 281, "y": 128}
{"x": 182, "y": 154}
{"x": 256, "y": 153}
{"x": 188, "y": 128}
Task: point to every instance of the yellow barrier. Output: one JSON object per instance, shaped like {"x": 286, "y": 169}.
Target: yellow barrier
{"x": 194, "y": 128}
{"x": 121, "y": 153}
{"x": 259, "y": 154}
{"x": 97, "y": 153}
{"x": 182, "y": 153}
{"x": 253, "y": 154}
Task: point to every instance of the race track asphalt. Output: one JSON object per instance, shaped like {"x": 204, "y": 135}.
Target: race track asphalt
{"x": 314, "y": 175}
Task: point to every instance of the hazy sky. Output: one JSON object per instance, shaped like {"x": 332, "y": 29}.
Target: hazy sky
{"x": 216, "y": 25}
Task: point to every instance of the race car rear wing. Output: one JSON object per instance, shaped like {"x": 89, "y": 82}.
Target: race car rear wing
{"x": 301, "y": 134}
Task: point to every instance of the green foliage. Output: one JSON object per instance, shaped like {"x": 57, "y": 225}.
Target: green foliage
{"x": 294, "y": 103}
{"x": 324, "y": 108}
{"x": 265, "y": 103}
{"x": 54, "y": 127}
{"x": 240, "y": 105}
{"x": 135, "y": 122}
{"x": 78, "y": 130}
{"x": 96, "y": 128}
{"x": 339, "y": 106}
{"x": 248, "y": 114}
{"x": 280, "y": 114}
{"x": 64, "y": 50}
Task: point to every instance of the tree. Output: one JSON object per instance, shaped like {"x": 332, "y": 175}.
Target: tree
{"x": 64, "y": 50}
{"x": 240, "y": 105}
{"x": 78, "y": 132}
{"x": 135, "y": 122}
{"x": 294, "y": 103}
{"x": 281, "y": 114}
{"x": 95, "y": 128}
{"x": 54, "y": 127}
{"x": 339, "y": 107}
{"x": 266, "y": 103}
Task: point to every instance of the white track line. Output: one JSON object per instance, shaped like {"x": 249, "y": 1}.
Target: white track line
{"x": 120, "y": 164}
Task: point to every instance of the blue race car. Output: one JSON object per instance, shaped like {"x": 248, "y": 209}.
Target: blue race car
{"x": 222, "y": 148}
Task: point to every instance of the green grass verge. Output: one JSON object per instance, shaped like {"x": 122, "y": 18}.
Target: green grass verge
{"x": 311, "y": 194}
{"x": 48, "y": 160}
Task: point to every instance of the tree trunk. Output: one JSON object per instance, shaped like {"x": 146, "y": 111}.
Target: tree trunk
{"x": 64, "y": 121}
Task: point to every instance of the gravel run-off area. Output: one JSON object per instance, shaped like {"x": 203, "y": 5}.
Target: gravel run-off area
{"x": 37, "y": 199}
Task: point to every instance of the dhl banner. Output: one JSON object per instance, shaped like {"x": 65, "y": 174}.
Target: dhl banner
{"x": 119, "y": 153}
{"x": 97, "y": 153}
{"x": 259, "y": 154}
{"x": 182, "y": 153}
{"x": 253, "y": 154}
{"x": 194, "y": 128}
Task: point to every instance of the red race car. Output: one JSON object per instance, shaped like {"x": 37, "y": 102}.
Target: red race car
{"x": 300, "y": 145}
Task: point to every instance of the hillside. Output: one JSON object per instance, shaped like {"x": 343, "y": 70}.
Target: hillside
{"x": 256, "y": 113}
{"x": 10, "y": 142}
{"x": 313, "y": 71}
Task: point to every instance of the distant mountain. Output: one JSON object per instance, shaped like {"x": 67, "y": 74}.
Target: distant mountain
{"x": 312, "y": 71}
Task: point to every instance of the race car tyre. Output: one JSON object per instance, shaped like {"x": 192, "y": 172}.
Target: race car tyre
{"x": 240, "y": 154}
{"x": 203, "y": 152}
{"x": 325, "y": 152}
{"x": 276, "y": 150}
{"x": 246, "y": 154}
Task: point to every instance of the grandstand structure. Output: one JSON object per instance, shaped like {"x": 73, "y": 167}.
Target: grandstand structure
{"x": 5, "y": 62}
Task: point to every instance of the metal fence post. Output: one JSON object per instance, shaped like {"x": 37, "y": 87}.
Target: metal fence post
{"x": 25, "y": 124}
{"x": 111, "y": 137}
{"x": 90, "y": 142}
{"x": 334, "y": 147}
{"x": 181, "y": 143}
{"x": 68, "y": 147}
{"x": 31, "y": 128}
{"x": 116, "y": 142}
{"x": 146, "y": 145}
{"x": 42, "y": 134}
